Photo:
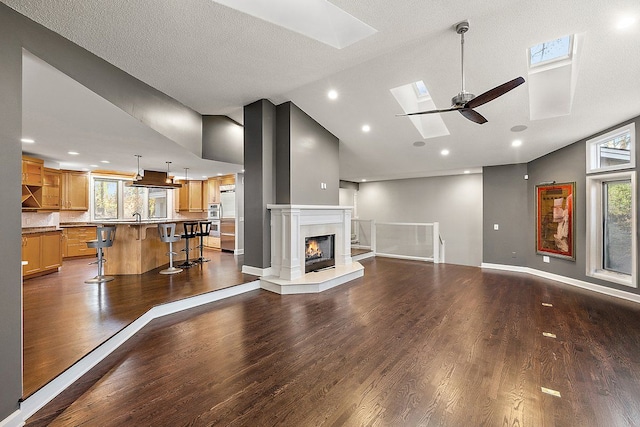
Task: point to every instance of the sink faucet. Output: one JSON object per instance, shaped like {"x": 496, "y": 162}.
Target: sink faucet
{"x": 137, "y": 216}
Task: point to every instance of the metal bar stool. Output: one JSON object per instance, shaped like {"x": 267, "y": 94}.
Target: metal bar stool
{"x": 190, "y": 232}
{"x": 204, "y": 228}
{"x": 104, "y": 239}
{"x": 167, "y": 233}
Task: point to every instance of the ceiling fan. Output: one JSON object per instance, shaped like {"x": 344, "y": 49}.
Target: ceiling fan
{"x": 465, "y": 102}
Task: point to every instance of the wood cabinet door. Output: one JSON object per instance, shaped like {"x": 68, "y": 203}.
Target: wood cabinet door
{"x": 32, "y": 172}
{"x": 51, "y": 189}
{"x": 31, "y": 253}
{"x": 183, "y": 197}
{"x": 51, "y": 250}
{"x": 75, "y": 189}
{"x": 195, "y": 196}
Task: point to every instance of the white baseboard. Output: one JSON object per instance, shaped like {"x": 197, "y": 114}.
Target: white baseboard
{"x": 567, "y": 280}
{"x": 56, "y": 386}
{"x": 256, "y": 271}
{"x": 13, "y": 420}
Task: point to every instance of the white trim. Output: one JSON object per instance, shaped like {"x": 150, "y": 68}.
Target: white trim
{"x": 409, "y": 257}
{"x": 56, "y": 386}
{"x": 256, "y": 271}
{"x": 238, "y": 252}
{"x": 567, "y": 280}
{"x": 594, "y": 232}
{"x": 593, "y": 143}
{"x": 13, "y": 420}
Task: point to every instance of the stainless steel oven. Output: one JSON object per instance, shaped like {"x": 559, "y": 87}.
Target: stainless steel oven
{"x": 214, "y": 211}
{"x": 215, "y": 228}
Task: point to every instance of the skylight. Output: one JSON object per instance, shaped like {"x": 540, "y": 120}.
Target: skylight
{"x": 316, "y": 19}
{"x": 550, "y": 51}
{"x": 421, "y": 89}
{"x": 415, "y": 97}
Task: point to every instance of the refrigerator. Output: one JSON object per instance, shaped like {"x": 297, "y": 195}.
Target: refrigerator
{"x": 228, "y": 221}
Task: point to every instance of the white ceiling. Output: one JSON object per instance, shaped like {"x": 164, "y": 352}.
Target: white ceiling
{"x": 215, "y": 60}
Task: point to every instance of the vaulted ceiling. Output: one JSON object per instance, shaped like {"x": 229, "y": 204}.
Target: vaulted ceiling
{"x": 215, "y": 60}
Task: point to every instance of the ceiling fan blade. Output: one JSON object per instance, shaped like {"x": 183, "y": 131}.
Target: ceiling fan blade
{"x": 494, "y": 93}
{"x": 428, "y": 112}
{"x": 473, "y": 115}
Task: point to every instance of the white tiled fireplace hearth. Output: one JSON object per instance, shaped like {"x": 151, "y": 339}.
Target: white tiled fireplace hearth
{"x": 290, "y": 225}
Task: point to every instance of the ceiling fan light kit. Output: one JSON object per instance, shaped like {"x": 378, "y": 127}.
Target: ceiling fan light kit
{"x": 465, "y": 102}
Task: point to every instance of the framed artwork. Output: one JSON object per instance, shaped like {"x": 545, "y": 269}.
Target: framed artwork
{"x": 554, "y": 220}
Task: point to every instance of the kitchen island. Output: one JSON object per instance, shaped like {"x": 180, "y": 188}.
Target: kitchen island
{"x": 137, "y": 247}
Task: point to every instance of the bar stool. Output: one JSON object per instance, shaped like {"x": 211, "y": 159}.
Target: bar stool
{"x": 204, "y": 228}
{"x": 167, "y": 233}
{"x": 104, "y": 239}
{"x": 190, "y": 232}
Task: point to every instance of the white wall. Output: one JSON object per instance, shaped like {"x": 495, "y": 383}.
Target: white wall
{"x": 453, "y": 201}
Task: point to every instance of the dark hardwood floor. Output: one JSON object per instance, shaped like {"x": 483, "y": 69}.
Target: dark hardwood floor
{"x": 65, "y": 318}
{"x": 409, "y": 344}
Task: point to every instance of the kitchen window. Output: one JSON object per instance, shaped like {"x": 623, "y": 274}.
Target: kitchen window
{"x": 113, "y": 200}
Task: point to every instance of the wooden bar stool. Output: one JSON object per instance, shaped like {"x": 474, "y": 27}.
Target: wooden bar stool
{"x": 190, "y": 232}
{"x": 204, "y": 228}
{"x": 167, "y": 233}
{"x": 104, "y": 239}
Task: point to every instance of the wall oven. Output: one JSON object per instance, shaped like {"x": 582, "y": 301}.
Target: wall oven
{"x": 214, "y": 211}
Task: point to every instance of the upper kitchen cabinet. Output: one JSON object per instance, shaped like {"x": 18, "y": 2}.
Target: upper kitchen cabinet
{"x": 75, "y": 191}
{"x": 31, "y": 183}
{"x": 190, "y": 197}
{"x": 51, "y": 189}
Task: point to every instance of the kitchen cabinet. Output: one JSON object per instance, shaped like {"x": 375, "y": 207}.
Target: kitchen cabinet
{"x": 212, "y": 242}
{"x": 75, "y": 241}
{"x": 42, "y": 251}
{"x": 189, "y": 197}
{"x": 75, "y": 191}
{"x": 31, "y": 183}
{"x": 213, "y": 191}
{"x": 51, "y": 189}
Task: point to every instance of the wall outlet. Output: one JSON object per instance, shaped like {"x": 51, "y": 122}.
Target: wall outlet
{"x": 526, "y": 176}
{"x": 496, "y": 226}
{"x": 546, "y": 259}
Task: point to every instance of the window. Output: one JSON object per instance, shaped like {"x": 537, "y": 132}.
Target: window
{"x": 611, "y": 227}
{"x": 614, "y": 150}
{"x": 114, "y": 200}
{"x": 550, "y": 51}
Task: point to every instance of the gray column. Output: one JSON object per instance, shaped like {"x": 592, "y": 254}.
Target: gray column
{"x": 259, "y": 181}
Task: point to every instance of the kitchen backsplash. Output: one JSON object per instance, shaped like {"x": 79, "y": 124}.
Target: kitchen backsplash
{"x": 40, "y": 219}
{"x": 72, "y": 216}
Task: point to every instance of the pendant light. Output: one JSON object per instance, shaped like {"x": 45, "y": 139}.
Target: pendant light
{"x": 168, "y": 180}
{"x": 138, "y": 177}
{"x": 186, "y": 174}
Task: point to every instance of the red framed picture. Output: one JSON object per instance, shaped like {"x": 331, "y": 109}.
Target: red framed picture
{"x": 554, "y": 220}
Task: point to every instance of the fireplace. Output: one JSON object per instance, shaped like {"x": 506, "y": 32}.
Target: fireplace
{"x": 319, "y": 252}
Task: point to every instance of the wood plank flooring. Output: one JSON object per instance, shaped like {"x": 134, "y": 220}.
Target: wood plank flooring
{"x": 65, "y": 318}
{"x": 409, "y": 344}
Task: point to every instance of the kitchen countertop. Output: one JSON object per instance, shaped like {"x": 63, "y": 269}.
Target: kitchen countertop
{"x": 33, "y": 230}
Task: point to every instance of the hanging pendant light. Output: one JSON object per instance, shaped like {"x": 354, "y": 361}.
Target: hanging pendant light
{"x": 168, "y": 180}
{"x": 138, "y": 177}
{"x": 186, "y": 174}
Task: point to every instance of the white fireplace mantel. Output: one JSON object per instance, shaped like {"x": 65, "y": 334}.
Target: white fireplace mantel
{"x": 291, "y": 224}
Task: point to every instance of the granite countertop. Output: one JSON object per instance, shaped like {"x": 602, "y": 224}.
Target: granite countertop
{"x": 144, "y": 222}
{"x": 32, "y": 230}
{"x": 76, "y": 224}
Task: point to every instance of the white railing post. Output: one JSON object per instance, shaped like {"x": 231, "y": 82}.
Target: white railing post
{"x": 373, "y": 236}
{"x": 436, "y": 243}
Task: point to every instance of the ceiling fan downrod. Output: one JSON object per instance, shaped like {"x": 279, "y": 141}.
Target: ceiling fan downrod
{"x": 463, "y": 97}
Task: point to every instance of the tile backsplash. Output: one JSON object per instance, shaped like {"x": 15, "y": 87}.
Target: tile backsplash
{"x": 40, "y": 219}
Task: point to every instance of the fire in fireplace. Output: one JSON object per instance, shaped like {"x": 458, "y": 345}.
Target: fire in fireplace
{"x": 319, "y": 252}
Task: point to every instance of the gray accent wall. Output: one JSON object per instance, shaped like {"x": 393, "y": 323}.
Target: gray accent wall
{"x": 222, "y": 140}
{"x": 10, "y": 226}
{"x": 453, "y": 201}
{"x": 565, "y": 165}
{"x": 259, "y": 181}
{"x": 307, "y": 157}
{"x": 506, "y": 204}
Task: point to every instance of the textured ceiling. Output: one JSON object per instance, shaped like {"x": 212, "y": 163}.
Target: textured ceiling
{"x": 216, "y": 60}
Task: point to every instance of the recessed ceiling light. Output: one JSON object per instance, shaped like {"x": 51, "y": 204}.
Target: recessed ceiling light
{"x": 518, "y": 128}
{"x": 219, "y": 174}
{"x": 366, "y": 128}
{"x": 419, "y": 144}
{"x": 205, "y": 176}
{"x": 445, "y": 152}
{"x": 242, "y": 171}
{"x": 27, "y": 140}
{"x": 85, "y": 169}
{"x": 364, "y": 180}
{"x": 467, "y": 171}
{"x": 105, "y": 161}
{"x": 93, "y": 166}
{"x": 73, "y": 153}
{"x": 332, "y": 94}
{"x": 626, "y": 22}
{"x": 516, "y": 143}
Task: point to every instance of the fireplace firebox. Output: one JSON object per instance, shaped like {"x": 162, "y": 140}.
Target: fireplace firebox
{"x": 319, "y": 252}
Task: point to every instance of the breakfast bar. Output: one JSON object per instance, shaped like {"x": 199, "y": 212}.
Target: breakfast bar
{"x": 137, "y": 247}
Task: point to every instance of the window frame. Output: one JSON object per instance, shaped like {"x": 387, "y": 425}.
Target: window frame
{"x": 595, "y": 229}
{"x": 592, "y": 149}
{"x": 121, "y": 182}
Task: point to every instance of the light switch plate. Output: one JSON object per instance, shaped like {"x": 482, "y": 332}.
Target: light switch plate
{"x": 496, "y": 226}
{"x": 545, "y": 259}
